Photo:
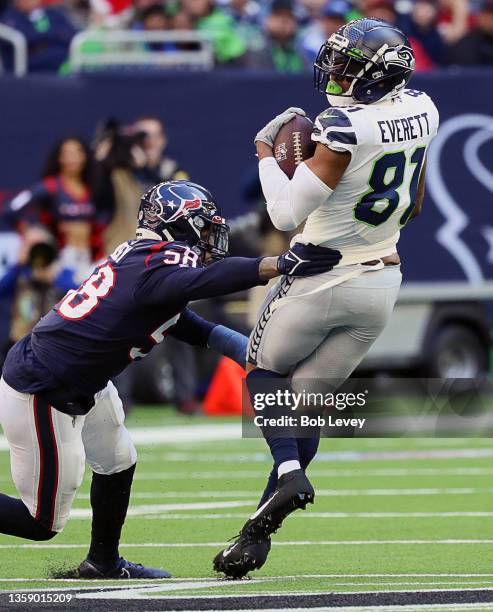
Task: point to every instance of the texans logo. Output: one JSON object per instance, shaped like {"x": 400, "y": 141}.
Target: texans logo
{"x": 460, "y": 182}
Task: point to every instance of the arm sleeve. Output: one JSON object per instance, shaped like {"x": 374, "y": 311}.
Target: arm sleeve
{"x": 192, "y": 329}
{"x": 289, "y": 202}
{"x": 229, "y": 343}
{"x": 184, "y": 284}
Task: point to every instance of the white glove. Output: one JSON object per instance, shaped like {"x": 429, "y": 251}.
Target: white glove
{"x": 268, "y": 133}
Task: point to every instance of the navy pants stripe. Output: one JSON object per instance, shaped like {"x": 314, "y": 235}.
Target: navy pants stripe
{"x": 48, "y": 468}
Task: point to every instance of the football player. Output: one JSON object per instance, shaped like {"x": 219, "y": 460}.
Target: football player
{"x": 364, "y": 182}
{"x": 57, "y": 404}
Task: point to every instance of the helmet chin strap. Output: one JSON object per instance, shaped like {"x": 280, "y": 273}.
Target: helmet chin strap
{"x": 337, "y": 97}
{"x": 143, "y": 233}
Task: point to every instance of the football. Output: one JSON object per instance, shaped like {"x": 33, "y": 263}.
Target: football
{"x": 293, "y": 144}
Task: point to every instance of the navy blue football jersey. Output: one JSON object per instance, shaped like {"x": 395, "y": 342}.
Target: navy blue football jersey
{"x": 127, "y": 306}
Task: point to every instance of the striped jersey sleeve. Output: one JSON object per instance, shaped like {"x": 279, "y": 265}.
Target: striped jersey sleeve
{"x": 333, "y": 128}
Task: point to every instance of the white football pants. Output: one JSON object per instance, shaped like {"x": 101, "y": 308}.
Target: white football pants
{"x": 319, "y": 332}
{"x": 48, "y": 449}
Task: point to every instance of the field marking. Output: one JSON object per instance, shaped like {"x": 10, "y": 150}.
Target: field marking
{"x": 134, "y": 593}
{"x": 342, "y": 455}
{"x": 261, "y": 579}
{"x": 422, "y": 491}
{"x": 315, "y": 473}
{"x": 317, "y": 515}
{"x": 278, "y": 543}
{"x": 83, "y": 513}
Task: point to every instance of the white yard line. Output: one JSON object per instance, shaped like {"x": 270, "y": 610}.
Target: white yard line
{"x": 278, "y": 543}
{"x": 263, "y": 579}
{"x": 137, "y": 593}
{"x": 318, "y": 515}
{"x": 83, "y": 513}
{"x": 315, "y": 473}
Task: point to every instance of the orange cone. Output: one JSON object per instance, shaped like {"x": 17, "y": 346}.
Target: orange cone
{"x": 225, "y": 391}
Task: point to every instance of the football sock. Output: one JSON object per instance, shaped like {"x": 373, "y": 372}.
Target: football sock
{"x": 109, "y": 500}
{"x": 282, "y": 449}
{"x": 270, "y": 488}
{"x": 288, "y": 466}
{"x": 307, "y": 449}
{"x": 16, "y": 520}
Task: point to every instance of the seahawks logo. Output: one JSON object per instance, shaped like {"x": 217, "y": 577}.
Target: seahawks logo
{"x": 400, "y": 56}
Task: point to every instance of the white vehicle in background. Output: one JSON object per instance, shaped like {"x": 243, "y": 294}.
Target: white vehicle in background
{"x": 438, "y": 330}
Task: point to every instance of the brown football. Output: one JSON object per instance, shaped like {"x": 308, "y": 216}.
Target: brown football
{"x": 293, "y": 144}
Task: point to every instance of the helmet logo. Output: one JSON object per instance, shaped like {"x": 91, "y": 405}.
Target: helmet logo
{"x": 401, "y": 56}
{"x": 192, "y": 204}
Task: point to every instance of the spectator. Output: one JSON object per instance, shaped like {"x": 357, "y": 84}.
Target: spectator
{"x": 155, "y": 19}
{"x": 310, "y": 9}
{"x": 476, "y": 47}
{"x": 281, "y": 51}
{"x": 381, "y": 9}
{"x": 421, "y": 28}
{"x": 229, "y": 46}
{"x": 35, "y": 283}
{"x": 244, "y": 12}
{"x": 453, "y": 20}
{"x": 48, "y": 33}
{"x": 130, "y": 162}
{"x": 111, "y": 13}
{"x": 63, "y": 201}
{"x": 247, "y": 17}
{"x": 331, "y": 18}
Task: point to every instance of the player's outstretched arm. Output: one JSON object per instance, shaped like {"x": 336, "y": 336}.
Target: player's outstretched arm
{"x": 197, "y": 331}
{"x": 184, "y": 284}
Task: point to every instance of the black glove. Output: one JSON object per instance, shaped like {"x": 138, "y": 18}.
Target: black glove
{"x": 307, "y": 259}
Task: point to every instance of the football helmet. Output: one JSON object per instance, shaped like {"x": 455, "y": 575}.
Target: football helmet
{"x": 185, "y": 212}
{"x": 375, "y": 56}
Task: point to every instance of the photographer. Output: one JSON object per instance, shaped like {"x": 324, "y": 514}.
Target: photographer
{"x": 35, "y": 283}
{"x": 129, "y": 160}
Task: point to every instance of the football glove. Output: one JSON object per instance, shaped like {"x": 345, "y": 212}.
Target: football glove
{"x": 268, "y": 133}
{"x": 307, "y": 259}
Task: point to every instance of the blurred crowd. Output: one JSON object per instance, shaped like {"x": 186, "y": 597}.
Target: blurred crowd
{"x": 281, "y": 35}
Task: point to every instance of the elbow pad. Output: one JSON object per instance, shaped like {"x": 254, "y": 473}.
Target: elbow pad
{"x": 289, "y": 202}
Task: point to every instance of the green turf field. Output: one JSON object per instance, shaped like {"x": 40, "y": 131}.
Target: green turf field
{"x": 390, "y": 514}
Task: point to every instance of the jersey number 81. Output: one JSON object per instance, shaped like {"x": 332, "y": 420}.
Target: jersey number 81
{"x": 384, "y": 190}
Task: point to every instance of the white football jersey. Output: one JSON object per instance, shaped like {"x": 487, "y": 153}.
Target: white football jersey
{"x": 376, "y": 195}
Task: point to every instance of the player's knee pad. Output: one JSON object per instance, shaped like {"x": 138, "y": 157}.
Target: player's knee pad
{"x": 108, "y": 445}
{"x": 120, "y": 455}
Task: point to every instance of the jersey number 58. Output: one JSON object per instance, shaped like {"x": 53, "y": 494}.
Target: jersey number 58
{"x": 77, "y": 304}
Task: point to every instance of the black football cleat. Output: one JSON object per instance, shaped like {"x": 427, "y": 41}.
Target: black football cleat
{"x": 123, "y": 570}
{"x": 246, "y": 553}
{"x": 249, "y": 551}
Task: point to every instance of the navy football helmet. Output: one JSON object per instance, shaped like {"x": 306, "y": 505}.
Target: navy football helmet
{"x": 186, "y": 212}
{"x": 375, "y": 56}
